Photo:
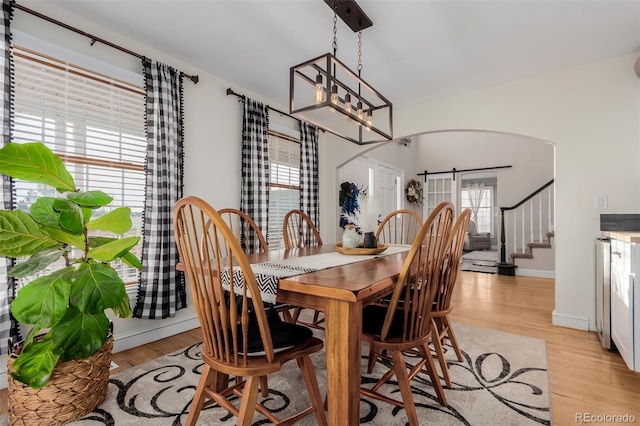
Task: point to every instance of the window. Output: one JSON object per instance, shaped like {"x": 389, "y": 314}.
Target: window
{"x": 284, "y": 185}
{"x": 94, "y": 122}
{"x": 485, "y": 211}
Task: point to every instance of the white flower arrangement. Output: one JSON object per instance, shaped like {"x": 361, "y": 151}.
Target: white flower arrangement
{"x": 367, "y": 216}
{"x": 414, "y": 192}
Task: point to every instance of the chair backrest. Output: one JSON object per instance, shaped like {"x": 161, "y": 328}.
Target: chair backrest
{"x": 399, "y": 227}
{"x": 449, "y": 272}
{"x": 299, "y": 231}
{"x": 209, "y": 251}
{"x": 245, "y": 229}
{"x": 419, "y": 277}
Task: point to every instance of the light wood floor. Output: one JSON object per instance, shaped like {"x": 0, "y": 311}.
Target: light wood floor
{"x": 584, "y": 377}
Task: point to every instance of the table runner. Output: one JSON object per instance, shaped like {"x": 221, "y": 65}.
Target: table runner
{"x": 268, "y": 273}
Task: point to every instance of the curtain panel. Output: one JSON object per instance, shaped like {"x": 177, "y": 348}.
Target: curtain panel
{"x": 161, "y": 290}
{"x": 254, "y": 199}
{"x": 475, "y": 192}
{"x": 8, "y": 326}
{"x": 309, "y": 189}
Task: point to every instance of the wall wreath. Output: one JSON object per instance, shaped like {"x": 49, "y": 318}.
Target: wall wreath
{"x": 414, "y": 192}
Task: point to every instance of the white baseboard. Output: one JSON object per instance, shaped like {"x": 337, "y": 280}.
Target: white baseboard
{"x": 570, "y": 321}
{"x": 535, "y": 273}
{"x": 124, "y": 341}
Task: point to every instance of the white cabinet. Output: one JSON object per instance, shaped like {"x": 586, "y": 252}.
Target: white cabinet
{"x": 625, "y": 301}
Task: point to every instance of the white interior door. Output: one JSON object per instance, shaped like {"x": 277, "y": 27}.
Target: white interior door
{"x": 385, "y": 184}
{"x": 439, "y": 188}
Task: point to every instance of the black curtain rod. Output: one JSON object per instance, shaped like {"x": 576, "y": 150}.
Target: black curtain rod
{"x": 454, "y": 171}
{"x": 94, "y": 39}
{"x": 243, "y": 97}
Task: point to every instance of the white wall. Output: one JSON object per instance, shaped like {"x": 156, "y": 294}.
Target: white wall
{"x": 591, "y": 114}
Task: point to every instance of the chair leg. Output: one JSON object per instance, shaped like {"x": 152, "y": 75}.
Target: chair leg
{"x": 296, "y": 314}
{"x": 431, "y": 370}
{"x": 207, "y": 378}
{"x": 372, "y": 359}
{"x": 310, "y": 379}
{"x": 248, "y": 402}
{"x": 400, "y": 368}
{"x": 437, "y": 345}
{"x": 452, "y": 338}
{"x": 264, "y": 386}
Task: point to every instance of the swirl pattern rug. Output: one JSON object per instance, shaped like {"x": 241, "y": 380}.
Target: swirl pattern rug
{"x": 503, "y": 380}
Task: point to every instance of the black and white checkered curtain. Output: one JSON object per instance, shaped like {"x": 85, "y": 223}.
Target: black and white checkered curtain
{"x": 254, "y": 199}
{"x": 8, "y": 326}
{"x": 161, "y": 289}
{"x": 309, "y": 172}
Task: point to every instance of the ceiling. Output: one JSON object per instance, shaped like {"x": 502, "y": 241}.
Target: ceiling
{"x": 415, "y": 50}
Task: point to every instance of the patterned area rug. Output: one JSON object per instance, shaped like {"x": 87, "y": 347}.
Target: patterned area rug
{"x": 480, "y": 261}
{"x": 502, "y": 381}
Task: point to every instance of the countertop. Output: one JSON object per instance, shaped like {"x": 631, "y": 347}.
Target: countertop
{"x": 629, "y": 237}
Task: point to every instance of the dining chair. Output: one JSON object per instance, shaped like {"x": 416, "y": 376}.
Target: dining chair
{"x": 245, "y": 229}
{"x": 399, "y": 227}
{"x": 299, "y": 231}
{"x": 252, "y": 240}
{"x": 238, "y": 337}
{"x": 441, "y": 327}
{"x": 405, "y": 324}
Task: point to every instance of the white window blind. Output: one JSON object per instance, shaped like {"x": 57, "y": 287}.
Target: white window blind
{"x": 284, "y": 183}
{"x": 94, "y": 122}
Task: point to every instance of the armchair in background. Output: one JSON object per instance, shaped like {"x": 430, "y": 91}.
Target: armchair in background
{"x": 475, "y": 240}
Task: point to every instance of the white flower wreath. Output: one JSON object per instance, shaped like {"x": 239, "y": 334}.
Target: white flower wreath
{"x": 413, "y": 192}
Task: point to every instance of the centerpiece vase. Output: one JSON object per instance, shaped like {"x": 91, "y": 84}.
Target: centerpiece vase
{"x": 370, "y": 240}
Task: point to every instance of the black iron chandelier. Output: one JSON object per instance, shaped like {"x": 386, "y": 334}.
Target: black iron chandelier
{"x": 325, "y": 92}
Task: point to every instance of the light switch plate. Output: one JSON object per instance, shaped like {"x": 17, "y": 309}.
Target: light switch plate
{"x": 602, "y": 202}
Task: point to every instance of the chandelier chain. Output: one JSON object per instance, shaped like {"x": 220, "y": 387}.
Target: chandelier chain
{"x": 335, "y": 28}
{"x": 359, "y": 52}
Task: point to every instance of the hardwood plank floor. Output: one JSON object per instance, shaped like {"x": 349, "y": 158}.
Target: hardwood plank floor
{"x": 584, "y": 377}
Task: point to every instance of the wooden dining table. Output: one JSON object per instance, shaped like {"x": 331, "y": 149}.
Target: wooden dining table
{"x": 340, "y": 292}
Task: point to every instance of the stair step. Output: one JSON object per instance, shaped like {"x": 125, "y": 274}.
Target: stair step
{"x": 539, "y": 245}
{"x": 522, "y": 255}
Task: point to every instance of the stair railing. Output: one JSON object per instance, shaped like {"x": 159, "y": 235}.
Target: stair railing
{"x": 534, "y": 215}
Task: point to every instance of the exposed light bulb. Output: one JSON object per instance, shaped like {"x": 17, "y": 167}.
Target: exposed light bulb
{"x": 369, "y": 120}
{"x": 359, "y": 112}
{"x": 347, "y": 105}
{"x": 319, "y": 94}
{"x": 334, "y": 96}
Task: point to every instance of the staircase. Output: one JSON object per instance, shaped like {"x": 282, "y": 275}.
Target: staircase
{"x": 527, "y": 233}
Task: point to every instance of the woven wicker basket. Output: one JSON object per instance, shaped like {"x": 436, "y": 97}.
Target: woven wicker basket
{"x": 76, "y": 387}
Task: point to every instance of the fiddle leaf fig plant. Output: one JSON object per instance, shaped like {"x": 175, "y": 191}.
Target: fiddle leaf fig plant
{"x": 68, "y": 305}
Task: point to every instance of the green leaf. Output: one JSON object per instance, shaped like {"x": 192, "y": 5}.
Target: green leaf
{"x": 96, "y": 287}
{"x": 131, "y": 260}
{"x": 42, "y": 212}
{"x": 35, "y": 364}
{"x": 44, "y": 300}
{"x": 37, "y": 262}
{"x": 86, "y": 212}
{"x": 71, "y": 217}
{"x": 113, "y": 250}
{"x": 34, "y": 162}
{"x": 20, "y": 235}
{"x": 117, "y": 221}
{"x": 98, "y": 241}
{"x": 91, "y": 199}
{"x": 80, "y": 334}
{"x": 64, "y": 237}
{"x": 124, "y": 309}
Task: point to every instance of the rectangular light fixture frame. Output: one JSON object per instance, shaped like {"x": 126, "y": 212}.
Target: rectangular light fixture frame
{"x": 302, "y": 81}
